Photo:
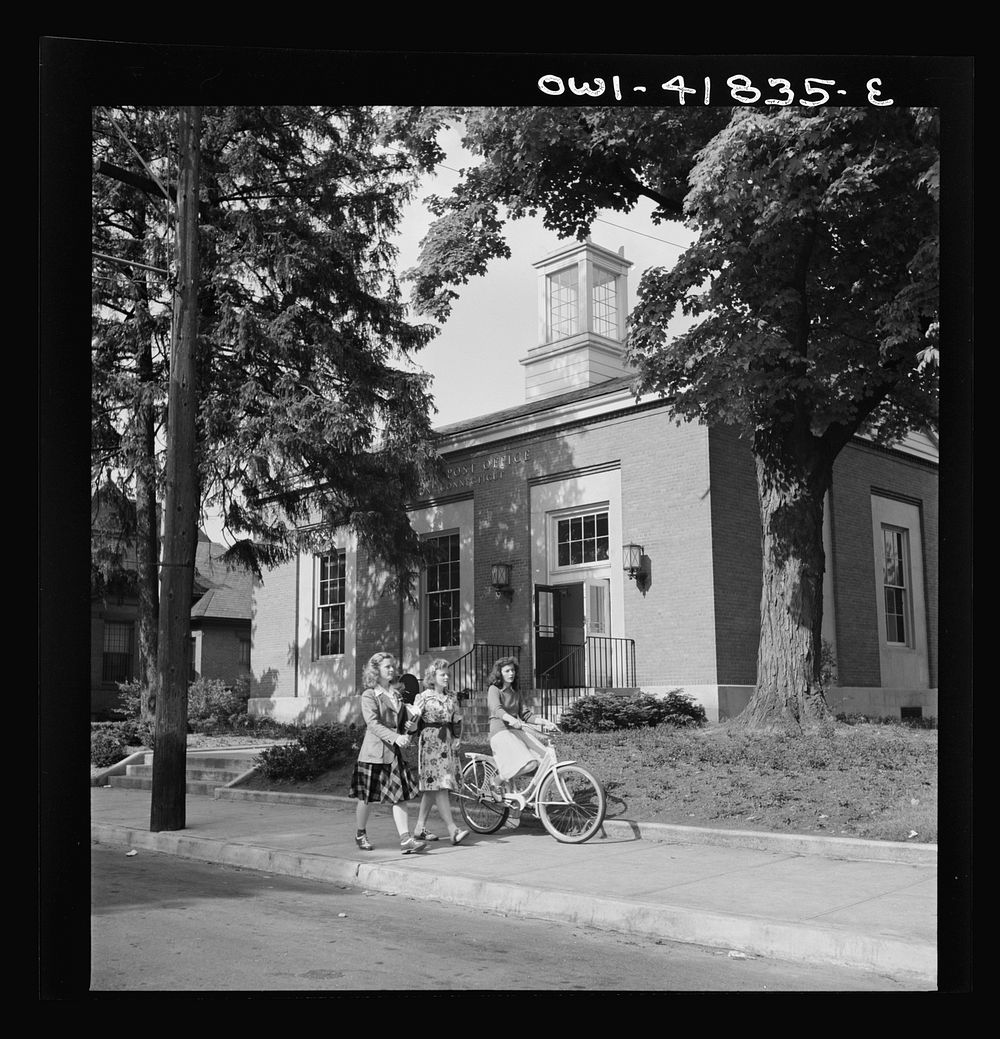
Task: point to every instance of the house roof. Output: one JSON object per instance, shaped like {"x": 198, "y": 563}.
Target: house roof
{"x": 226, "y": 593}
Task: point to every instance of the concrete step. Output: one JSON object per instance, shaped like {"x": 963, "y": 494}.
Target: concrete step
{"x": 237, "y": 760}
{"x": 204, "y": 773}
{"x": 146, "y": 783}
{"x": 218, "y": 776}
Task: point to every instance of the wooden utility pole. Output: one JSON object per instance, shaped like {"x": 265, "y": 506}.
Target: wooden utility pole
{"x": 180, "y": 530}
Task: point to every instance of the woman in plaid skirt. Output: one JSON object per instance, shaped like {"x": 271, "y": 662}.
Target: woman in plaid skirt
{"x": 381, "y": 774}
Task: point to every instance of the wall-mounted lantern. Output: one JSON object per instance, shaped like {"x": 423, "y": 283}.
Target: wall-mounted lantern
{"x": 632, "y": 560}
{"x": 500, "y": 579}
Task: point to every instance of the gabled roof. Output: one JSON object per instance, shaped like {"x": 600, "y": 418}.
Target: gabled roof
{"x": 227, "y": 594}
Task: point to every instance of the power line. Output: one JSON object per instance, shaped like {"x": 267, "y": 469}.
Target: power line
{"x": 598, "y": 220}
{"x": 622, "y": 227}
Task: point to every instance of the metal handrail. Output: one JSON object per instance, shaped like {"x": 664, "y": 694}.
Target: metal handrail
{"x": 468, "y": 673}
{"x": 607, "y": 663}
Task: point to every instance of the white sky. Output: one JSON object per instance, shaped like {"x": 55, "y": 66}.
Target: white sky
{"x": 474, "y": 360}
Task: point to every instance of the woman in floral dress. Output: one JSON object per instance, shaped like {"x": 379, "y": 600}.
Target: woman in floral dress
{"x": 440, "y": 729}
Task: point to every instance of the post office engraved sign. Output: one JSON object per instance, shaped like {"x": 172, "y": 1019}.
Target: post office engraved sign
{"x": 485, "y": 468}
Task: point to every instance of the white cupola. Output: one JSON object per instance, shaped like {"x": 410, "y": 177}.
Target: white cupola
{"x": 582, "y": 304}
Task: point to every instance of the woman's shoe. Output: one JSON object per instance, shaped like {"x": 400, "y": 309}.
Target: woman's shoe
{"x": 458, "y": 836}
{"x": 363, "y": 843}
{"x": 423, "y": 835}
{"x": 411, "y": 844}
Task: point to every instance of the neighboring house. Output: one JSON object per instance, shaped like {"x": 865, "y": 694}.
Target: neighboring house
{"x": 220, "y": 615}
{"x": 610, "y": 547}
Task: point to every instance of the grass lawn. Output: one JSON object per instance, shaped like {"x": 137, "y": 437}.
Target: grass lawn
{"x": 865, "y": 780}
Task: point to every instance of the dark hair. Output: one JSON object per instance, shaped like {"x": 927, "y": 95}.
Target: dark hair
{"x": 410, "y": 685}
{"x": 495, "y": 678}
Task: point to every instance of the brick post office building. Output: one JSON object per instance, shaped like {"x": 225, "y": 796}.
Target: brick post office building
{"x": 609, "y": 547}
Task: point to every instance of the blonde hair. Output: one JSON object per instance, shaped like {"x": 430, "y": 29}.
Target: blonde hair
{"x": 369, "y": 676}
{"x": 430, "y": 675}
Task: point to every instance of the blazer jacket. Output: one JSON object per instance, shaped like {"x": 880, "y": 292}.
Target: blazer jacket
{"x": 380, "y": 710}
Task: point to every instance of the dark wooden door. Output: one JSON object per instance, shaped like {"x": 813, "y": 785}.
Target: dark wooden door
{"x": 548, "y": 632}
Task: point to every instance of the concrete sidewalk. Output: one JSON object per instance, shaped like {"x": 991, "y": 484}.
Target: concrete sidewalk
{"x": 799, "y": 899}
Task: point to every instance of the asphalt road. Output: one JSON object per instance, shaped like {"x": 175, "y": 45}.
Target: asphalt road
{"x": 162, "y": 923}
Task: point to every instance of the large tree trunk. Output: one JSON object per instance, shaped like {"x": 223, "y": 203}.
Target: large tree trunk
{"x": 791, "y": 484}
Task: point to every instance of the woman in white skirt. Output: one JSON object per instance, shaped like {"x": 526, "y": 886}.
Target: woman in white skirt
{"x": 508, "y": 713}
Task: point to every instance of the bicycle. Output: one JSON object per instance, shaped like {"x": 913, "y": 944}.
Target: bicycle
{"x": 566, "y": 798}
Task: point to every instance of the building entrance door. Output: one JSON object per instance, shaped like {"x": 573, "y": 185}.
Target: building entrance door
{"x": 548, "y": 629}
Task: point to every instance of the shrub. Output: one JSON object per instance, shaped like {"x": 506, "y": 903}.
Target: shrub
{"x": 107, "y": 745}
{"x": 604, "y": 711}
{"x": 317, "y": 749}
{"x": 288, "y": 761}
{"x": 130, "y": 696}
{"x": 327, "y": 744}
{"x": 211, "y": 703}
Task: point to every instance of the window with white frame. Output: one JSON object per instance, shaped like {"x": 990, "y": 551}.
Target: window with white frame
{"x": 896, "y": 585}
{"x": 119, "y": 649}
{"x": 605, "y": 302}
{"x": 245, "y": 653}
{"x": 581, "y": 539}
{"x": 331, "y": 586}
{"x": 442, "y": 592}
{"x": 563, "y": 305}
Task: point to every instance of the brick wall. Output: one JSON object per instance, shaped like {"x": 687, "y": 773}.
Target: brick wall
{"x": 273, "y": 631}
{"x": 220, "y": 653}
{"x": 666, "y": 507}
{"x": 378, "y": 616}
{"x": 736, "y": 536}
{"x": 858, "y": 471}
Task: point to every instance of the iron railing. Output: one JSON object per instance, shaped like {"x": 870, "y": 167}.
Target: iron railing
{"x": 599, "y": 663}
{"x": 469, "y": 672}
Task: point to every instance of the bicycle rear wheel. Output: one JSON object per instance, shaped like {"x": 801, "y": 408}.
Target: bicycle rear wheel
{"x": 480, "y": 812}
{"x": 571, "y": 804}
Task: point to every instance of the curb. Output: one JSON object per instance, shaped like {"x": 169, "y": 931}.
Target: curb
{"x": 854, "y": 848}
{"x": 752, "y": 936}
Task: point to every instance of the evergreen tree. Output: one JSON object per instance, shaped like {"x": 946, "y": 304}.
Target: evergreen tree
{"x": 308, "y": 415}
{"x": 131, "y": 328}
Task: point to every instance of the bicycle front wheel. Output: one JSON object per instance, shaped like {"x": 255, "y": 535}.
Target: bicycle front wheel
{"x": 480, "y": 812}
{"x": 571, "y": 804}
